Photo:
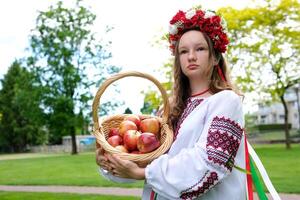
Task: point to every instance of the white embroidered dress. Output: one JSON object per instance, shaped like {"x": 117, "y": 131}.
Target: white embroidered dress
{"x": 208, "y": 141}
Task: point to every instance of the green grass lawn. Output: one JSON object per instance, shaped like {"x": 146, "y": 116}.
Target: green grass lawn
{"x": 80, "y": 170}
{"x": 58, "y": 196}
{"x": 283, "y": 167}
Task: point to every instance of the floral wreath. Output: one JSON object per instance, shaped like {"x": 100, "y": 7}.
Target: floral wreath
{"x": 206, "y": 21}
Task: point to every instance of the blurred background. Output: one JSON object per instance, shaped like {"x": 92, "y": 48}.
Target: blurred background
{"x": 54, "y": 56}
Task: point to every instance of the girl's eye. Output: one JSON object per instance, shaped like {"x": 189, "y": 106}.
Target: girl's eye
{"x": 200, "y": 49}
{"x": 183, "y": 52}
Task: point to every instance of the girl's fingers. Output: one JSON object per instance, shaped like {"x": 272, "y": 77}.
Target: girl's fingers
{"x": 105, "y": 167}
{"x": 98, "y": 145}
{"x": 101, "y": 160}
{"x": 112, "y": 166}
{"x": 112, "y": 159}
{"x": 142, "y": 164}
{"x": 100, "y": 151}
{"x": 103, "y": 164}
{"x": 114, "y": 171}
{"x": 118, "y": 160}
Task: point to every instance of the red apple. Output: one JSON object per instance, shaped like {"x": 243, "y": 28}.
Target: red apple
{"x": 122, "y": 148}
{"x": 115, "y": 140}
{"x": 142, "y": 117}
{"x": 147, "y": 142}
{"x": 113, "y": 131}
{"x": 135, "y": 152}
{"x": 133, "y": 118}
{"x": 125, "y": 126}
{"x": 151, "y": 125}
{"x": 130, "y": 139}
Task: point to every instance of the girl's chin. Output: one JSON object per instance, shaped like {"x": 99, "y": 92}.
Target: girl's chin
{"x": 193, "y": 74}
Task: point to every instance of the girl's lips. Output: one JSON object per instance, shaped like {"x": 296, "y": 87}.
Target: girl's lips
{"x": 192, "y": 66}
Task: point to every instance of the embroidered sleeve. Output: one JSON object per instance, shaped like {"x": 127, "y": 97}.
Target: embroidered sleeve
{"x": 197, "y": 169}
{"x": 223, "y": 140}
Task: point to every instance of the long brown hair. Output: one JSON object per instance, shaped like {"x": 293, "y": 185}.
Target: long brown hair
{"x": 181, "y": 88}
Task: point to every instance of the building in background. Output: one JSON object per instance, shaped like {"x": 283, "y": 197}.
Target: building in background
{"x": 274, "y": 113}
{"x": 81, "y": 140}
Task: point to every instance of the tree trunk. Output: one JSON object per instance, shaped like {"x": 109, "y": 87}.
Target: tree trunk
{"x": 286, "y": 123}
{"x": 298, "y": 105}
{"x": 74, "y": 145}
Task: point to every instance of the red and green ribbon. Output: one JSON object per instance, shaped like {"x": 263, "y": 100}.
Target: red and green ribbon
{"x": 153, "y": 195}
{"x": 253, "y": 178}
{"x": 257, "y": 183}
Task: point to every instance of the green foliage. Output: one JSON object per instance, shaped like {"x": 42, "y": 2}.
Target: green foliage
{"x": 152, "y": 101}
{"x": 63, "y": 51}
{"x": 265, "y": 46}
{"x": 268, "y": 127}
{"x": 128, "y": 111}
{"x": 147, "y": 108}
{"x": 250, "y": 121}
{"x": 265, "y": 49}
{"x": 21, "y": 117}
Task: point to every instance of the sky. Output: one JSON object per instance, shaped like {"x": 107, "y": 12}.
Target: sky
{"x": 137, "y": 23}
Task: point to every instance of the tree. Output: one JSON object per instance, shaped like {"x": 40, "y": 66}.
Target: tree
{"x": 265, "y": 49}
{"x": 153, "y": 100}
{"x": 296, "y": 89}
{"x": 22, "y": 119}
{"x": 127, "y": 111}
{"x": 64, "y": 50}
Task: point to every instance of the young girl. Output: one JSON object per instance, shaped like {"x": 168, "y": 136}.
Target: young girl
{"x": 207, "y": 118}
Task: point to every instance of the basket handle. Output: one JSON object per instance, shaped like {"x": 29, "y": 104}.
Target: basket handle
{"x": 118, "y": 76}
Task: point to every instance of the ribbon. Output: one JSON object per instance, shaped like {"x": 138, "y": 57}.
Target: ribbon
{"x": 153, "y": 195}
{"x": 248, "y": 168}
{"x": 263, "y": 173}
{"x": 258, "y": 186}
{"x": 221, "y": 73}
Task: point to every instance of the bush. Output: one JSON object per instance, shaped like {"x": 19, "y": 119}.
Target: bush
{"x": 268, "y": 127}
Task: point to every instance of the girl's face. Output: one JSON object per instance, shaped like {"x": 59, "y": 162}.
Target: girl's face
{"x": 194, "y": 55}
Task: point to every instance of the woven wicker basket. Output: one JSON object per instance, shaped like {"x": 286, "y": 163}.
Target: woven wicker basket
{"x": 102, "y": 128}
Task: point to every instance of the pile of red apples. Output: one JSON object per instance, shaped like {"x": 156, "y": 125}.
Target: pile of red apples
{"x": 135, "y": 135}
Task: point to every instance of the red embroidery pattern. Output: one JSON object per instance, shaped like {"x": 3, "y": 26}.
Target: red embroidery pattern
{"x": 191, "y": 105}
{"x": 210, "y": 181}
{"x": 205, "y": 174}
{"x": 227, "y": 125}
{"x": 223, "y": 140}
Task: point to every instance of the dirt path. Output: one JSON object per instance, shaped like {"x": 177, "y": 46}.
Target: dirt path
{"x": 101, "y": 190}
{"x": 75, "y": 189}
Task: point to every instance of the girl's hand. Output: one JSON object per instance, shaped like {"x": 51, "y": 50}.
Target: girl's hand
{"x": 101, "y": 159}
{"x": 125, "y": 168}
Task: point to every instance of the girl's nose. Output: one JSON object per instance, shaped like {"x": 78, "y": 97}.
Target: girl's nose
{"x": 192, "y": 56}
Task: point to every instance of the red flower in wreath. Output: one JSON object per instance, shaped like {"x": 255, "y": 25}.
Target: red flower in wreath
{"x": 205, "y": 21}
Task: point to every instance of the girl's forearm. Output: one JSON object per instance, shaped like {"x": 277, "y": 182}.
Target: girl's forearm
{"x": 139, "y": 173}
